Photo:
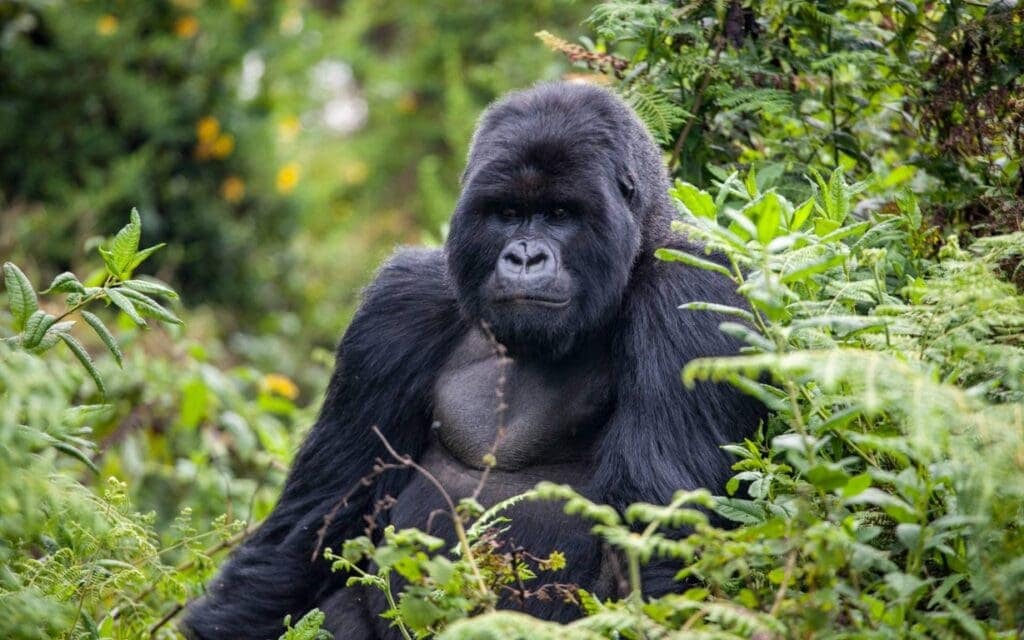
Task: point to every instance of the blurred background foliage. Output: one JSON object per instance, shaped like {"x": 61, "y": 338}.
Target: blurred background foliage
{"x": 282, "y": 148}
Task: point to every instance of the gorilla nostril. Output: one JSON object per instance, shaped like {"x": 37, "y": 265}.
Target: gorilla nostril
{"x": 537, "y": 259}
{"x": 515, "y": 259}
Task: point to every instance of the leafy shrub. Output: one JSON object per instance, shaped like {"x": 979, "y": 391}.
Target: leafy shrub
{"x": 921, "y": 93}
{"x": 111, "y": 521}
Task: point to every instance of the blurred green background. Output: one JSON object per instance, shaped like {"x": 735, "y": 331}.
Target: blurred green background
{"x": 281, "y": 149}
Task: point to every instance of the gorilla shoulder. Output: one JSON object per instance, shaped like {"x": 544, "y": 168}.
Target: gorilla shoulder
{"x": 409, "y": 301}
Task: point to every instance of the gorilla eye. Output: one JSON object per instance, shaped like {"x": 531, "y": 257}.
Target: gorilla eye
{"x": 559, "y": 213}
{"x": 508, "y": 212}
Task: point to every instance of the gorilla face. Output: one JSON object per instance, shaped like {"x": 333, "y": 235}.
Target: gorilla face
{"x": 543, "y": 238}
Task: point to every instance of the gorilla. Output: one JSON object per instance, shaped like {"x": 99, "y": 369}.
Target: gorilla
{"x": 551, "y": 255}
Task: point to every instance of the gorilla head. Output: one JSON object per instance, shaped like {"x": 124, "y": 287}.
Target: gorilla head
{"x": 563, "y": 189}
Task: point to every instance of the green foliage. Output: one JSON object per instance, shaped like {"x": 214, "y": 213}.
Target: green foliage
{"x": 39, "y": 330}
{"x": 81, "y": 560}
{"x": 921, "y": 93}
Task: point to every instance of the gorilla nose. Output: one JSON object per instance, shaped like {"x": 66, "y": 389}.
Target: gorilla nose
{"x": 526, "y": 260}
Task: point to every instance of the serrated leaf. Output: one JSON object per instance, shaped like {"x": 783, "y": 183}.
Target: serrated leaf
{"x": 124, "y": 246}
{"x": 36, "y": 328}
{"x": 152, "y": 288}
{"x": 675, "y": 255}
{"x": 104, "y": 335}
{"x": 75, "y": 452}
{"x": 150, "y": 307}
{"x": 52, "y": 336}
{"x": 21, "y": 297}
{"x": 766, "y": 212}
{"x": 697, "y": 202}
{"x": 126, "y": 305}
{"x": 66, "y": 282}
{"x": 718, "y": 308}
{"x": 741, "y": 225}
{"x": 110, "y": 261}
{"x": 141, "y": 256}
{"x": 83, "y": 357}
{"x": 738, "y": 510}
{"x": 801, "y": 214}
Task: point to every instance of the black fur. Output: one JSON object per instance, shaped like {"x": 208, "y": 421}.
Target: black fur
{"x": 553, "y": 143}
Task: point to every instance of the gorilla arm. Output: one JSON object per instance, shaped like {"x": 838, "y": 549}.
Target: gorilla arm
{"x": 387, "y": 361}
{"x": 663, "y": 437}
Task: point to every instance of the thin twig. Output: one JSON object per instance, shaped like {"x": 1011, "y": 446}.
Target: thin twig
{"x": 460, "y": 531}
{"x": 501, "y": 408}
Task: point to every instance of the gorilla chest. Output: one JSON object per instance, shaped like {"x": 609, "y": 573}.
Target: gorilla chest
{"x": 523, "y": 412}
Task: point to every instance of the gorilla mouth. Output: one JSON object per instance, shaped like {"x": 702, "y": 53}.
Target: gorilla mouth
{"x": 540, "y": 301}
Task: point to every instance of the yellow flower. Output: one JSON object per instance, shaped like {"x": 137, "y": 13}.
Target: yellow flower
{"x": 223, "y": 146}
{"x": 207, "y": 129}
{"x": 280, "y": 385}
{"x": 288, "y": 177}
{"x": 355, "y": 172}
{"x": 232, "y": 189}
{"x": 186, "y": 27}
{"x": 289, "y": 128}
{"x": 107, "y": 25}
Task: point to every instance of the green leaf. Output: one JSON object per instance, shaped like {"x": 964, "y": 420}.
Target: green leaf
{"x": 801, "y": 214}
{"x": 895, "y": 507}
{"x": 52, "y": 336}
{"x": 718, "y": 308}
{"x": 150, "y": 287}
{"x": 36, "y": 327}
{"x": 66, "y": 282}
{"x": 124, "y": 304}
{"x": 741, "y": 225}
{"x": 83, "y": 357}
{"x": 20, "y": 295}
{"x": 824, "y": 226}
{"x": 141, "y": 256}
{"x": 898, "y": 176}
{"x": 418, "y": 612}
{"x": 104, "y": 335}
{"x": 674, "y": 255}
{"x": 699, "y": 203}
{"x": 857, "y": 484}
{"x": 149, "y": 307}
{"x": 827, "y": 476}
{"x": 124, "y": 246}
{"x": 909, "y": 535}
{"x": 738, "y": 510}
{"x": 815, "y": 259}
{"x": 75, "y": 452}
{"x": 766, "y": 212}
{"x": 750, "y": 183}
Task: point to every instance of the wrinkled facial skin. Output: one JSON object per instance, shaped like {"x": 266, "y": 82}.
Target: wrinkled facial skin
{"x": 543, "y": 241}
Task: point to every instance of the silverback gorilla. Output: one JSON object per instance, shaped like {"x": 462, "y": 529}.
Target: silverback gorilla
{"x": 563, "y": 204}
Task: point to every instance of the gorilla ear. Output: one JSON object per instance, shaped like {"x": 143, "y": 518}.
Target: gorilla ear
{"x": 627, "y": 185}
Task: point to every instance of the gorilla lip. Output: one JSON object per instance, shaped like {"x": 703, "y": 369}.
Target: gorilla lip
{"x": 543, "y": 302}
